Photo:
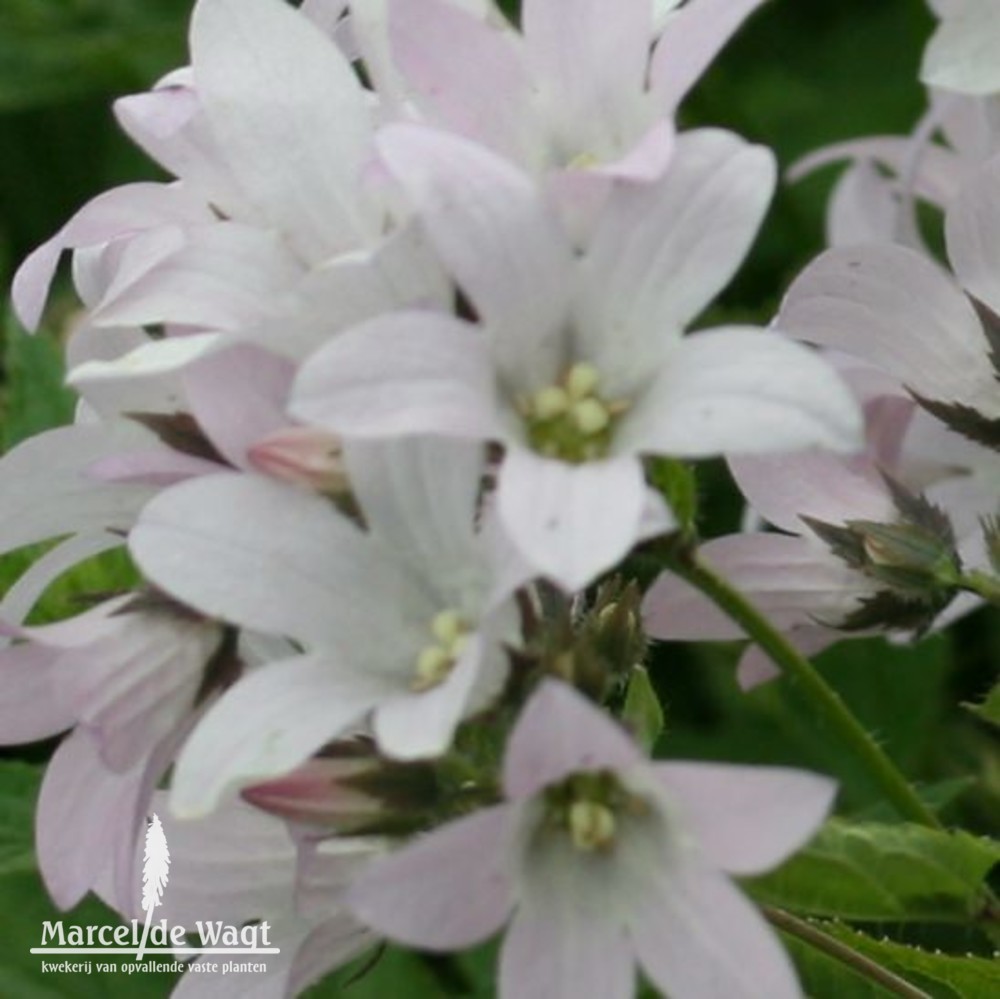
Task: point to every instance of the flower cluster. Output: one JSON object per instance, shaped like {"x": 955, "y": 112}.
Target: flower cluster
{"x": 378, "y": 391}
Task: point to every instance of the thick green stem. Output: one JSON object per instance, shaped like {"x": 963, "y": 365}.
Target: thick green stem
{"x": 823, "y": 698}
{"x": 839, "y": 951}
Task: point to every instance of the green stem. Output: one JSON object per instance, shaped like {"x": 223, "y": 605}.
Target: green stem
{"x": 983, "y": 585}
{"x": 823, "y": 698}
{"x": 841, "y": 952}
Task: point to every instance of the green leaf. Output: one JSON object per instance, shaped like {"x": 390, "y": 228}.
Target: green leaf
{"x": 677, "y": 482}
{"x": 642, "y": 712}
{"x": 58, "y": 50}
{"x": 873, "y": 872}
{"x": 35, "y": 398}
{"x": 824, "y": 977}
{"x": 943, "y": 976}
{"x": 989, "y": 710}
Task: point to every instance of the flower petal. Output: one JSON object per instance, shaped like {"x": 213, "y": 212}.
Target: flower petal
{"x": 826, "y": 486}
{"x": 266, "y": 725}
{"x": 270, "y": 81}
{"x": 311, "y": 574}
{"x": 746, "y": 819}
{"x": 121, "y": 211}
{"x": 238, "y": 397}
{"x": 590, "y": 68}
{"x": 449, "y": 889}
{"x": 572, "y": 522}
{"x": 554, "y": 950}
{"x": 499, "y": 237}
{"x": 697, "y": 937}
{"x": 900, "y": 311}
{"x": 961, "y": 54}
{"x": 662, "y": 251}
{"x": 422, "y": 726}
{"x": 790, "y": 579}
{"x": 742, "y": 390}
{"x": 468, "y": 74}
{"x": 972, "y": 227}
{"x": 399, "y": 375}
{"x": 29, "y": 709}
{"x": 559, "y": 733}
{"x": 690, "y": 41}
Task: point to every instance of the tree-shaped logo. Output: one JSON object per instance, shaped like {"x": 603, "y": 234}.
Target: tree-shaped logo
{"x": 155, "y": 871}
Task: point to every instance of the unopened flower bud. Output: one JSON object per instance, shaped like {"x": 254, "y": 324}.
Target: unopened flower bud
{"x": 351, "y": 791}
{"x": 306, "y": 456}
{"x": 316, "y": 794}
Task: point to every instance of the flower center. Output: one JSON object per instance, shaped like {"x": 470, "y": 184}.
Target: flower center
{"x": 570, "y": 420}
{"x": 449, "y": 636}
{"x": 589, "y": 808}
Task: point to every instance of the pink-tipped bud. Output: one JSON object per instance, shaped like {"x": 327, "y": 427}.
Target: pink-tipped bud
{"x": 306, "y": 456}
{"x": 315, "y": 794}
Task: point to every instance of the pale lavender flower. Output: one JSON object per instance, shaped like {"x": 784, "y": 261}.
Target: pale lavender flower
{"x": 126, "y": 674}
{"x": 579, "y": 365}
{"x": 793, "y": 576}
{"x": 405, "y": 623}
{"x": 600, "y": 860}
{"x": 591, "y": 92}
{"x": 905, "y": 314}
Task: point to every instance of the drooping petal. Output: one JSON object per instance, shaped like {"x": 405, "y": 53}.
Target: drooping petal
{"x": 134, "y": 684}
{"x": 745, "y": 391}
{"x": 660, "y": 252}
{"x": 558, "y": 733}
{"x": 697, "y": 937}
{"x": 571, "y": 522}
{"x": 898, "y": 310}
{"x": 745, "y": 819}
{"x": 400, "y": 375}
{"x": 29, "y": 709}
{"x": 85, "y": 817}
{"x": 689, "y": 43}
{"x": 266, "y": 725}
{"x": 121, "y": 211}
{"x": 270, "y": 81}
{"x": 451, "y": 888}
{"x": 496, "y": 233}
{"x": 791, "y": 580}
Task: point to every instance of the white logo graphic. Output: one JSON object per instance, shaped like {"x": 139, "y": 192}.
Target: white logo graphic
{"x": 155, "y": 871}
{"x": 156, "y": 937}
